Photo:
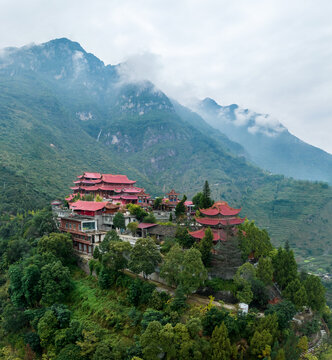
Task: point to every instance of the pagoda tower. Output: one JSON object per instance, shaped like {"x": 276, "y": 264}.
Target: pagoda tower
{"x": 221, "y": 218}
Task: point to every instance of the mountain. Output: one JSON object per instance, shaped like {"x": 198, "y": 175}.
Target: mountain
{"x": 267, "y": 142}
{"x": 62, "y": 111}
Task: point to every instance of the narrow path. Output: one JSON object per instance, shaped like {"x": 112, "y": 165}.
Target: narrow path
{"x": 192, "y": 299}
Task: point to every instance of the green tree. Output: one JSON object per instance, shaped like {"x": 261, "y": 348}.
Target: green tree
{"x": 116, "y": 258}
{"x": 157, "y": 203}
{"x": 55, "y": 283}
{"x": 60, "y": 245}
{"x": 16, "y": 287}
{"x": 172, "y": 266}
{"x": 150, "y": 341}
{"x": 285, "y": 267}
{"x": 303, "y": 344}
{"x": 119, "y": 221}
{"x": 42, "y": 223}
{"x": 254, "y": 240}
{"x": 193, "y": 272}
{"x": 137, "y": 211}
{"x": 315, "y": 292}
{"x": 96, "y": 253}
{"x": 179, "y": 301}
{"x": 184, "y": 268}
{"x": 260, "y": 342}
{"x": 13, "y": 319}
{"x": 244, "y": 293}
{"x": 268, "y": 322}
{"x": 150, "y": 218}
{"x": 132, "y": 227}
{"x": 47, "y": 327}
{"x": 281, "y": 355}
{"x": 70, "y": 351}
{"x": 220, "y": 343}
{"x": 180, "y": 208}
{"x": 246, "y": 272}
{"x": 205, "y": 247}
{"x": 285, "y": 310}
{"x": 197, "y": 200}
{"x": 242, "y": 279}
{"x": 296, "y": 293}
{"x": 103, "y": 352}
{"x": 30, "y": 282}
{"x": 183, "y": 238}
{"x": 144, "y": 257}
{"x": 206, "y": 200}
{"x": 265, "y": 270}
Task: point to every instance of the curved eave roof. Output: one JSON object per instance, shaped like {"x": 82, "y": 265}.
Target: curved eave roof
{"x": 225, "y": 222}
{"x": 221, "y": 208}
{"x": 217, "y": 235}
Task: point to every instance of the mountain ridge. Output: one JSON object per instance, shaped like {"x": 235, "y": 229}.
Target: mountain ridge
{"x": 267, "y": 142}
{"x": 99, "y": 122}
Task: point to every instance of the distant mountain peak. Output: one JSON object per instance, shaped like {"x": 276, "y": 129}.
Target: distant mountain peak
{"x": 63, "y": 43}
{"x": 239, "y": 117}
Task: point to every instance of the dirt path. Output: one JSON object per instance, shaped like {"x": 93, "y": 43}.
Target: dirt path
{"x": 192, "y": 299}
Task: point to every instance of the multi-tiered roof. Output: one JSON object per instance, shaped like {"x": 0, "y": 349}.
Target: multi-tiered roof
{"x": 109, "y": 186}
{"x": 221, "y": 218}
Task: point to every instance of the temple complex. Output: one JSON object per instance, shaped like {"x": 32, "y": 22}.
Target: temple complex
{"x": 117, "y": 188}
{"x": 221, "y": 218}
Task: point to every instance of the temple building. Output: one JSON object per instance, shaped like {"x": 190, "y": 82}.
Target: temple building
{"x": 117, "y": 188}
{"x": 170, "y": 201}
{"x": 221, "y": 218}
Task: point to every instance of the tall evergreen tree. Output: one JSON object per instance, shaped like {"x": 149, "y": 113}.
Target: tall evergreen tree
{"x": 285, "y": 267}
{"x": 205, "y": 247}
{"x": 180, "y": 208}
{"x": 220, "y": 343}
{"x": 206, "y": 200}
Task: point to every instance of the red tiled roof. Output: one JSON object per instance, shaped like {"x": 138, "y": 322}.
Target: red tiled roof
{"x": 106, "y": 187}
{"x": 145, "y": 225}
{"x": 216, "y": 221}
{"x": 77, "y": 182}
{"x": 90, "y": 188}
{"x": 91, "y": 181}
{"x": 188, "y": 203}
{"x": 75, "y": 187}
{"x": 117, "y": 179}
{"x": 88, "y": 205}
{"x": 115, "y": 197}
{"x": 220, "y": 207}
{"x": 92, "y": 175}
{"x": 129, "y": 197}
{"x": 132, "y": 190}
{"x": 172, "y": 192}
{"x": 217, "y": 234}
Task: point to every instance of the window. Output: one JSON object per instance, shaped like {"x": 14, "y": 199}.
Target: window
{"x": 89, "y": 225}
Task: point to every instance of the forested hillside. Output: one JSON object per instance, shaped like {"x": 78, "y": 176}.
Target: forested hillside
{"x": 50, "y": 309}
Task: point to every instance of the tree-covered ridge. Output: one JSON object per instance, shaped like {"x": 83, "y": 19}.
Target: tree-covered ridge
{"x": 49, "y": 309}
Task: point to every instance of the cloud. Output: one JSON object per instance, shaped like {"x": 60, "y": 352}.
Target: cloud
{"x": 140, "y": 67}
{"x": 271, "y": 56}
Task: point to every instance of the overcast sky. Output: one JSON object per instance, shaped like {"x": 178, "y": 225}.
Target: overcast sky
{"x": 269, "y": 56}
